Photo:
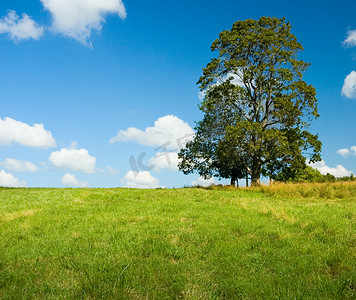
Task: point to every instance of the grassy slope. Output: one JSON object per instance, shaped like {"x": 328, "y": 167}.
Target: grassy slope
{"x": 186, "y": 243}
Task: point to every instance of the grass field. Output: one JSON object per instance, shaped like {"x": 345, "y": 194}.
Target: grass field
{"x": 179, "y": 243}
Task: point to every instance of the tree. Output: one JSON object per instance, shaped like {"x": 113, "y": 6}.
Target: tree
{"x": 257, "y": 108}
{"x": 305, "y": 174}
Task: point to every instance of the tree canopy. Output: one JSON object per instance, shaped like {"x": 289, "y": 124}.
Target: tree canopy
{"x": 257, "y": 108}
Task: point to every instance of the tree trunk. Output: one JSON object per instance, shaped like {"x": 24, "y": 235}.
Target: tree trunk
{"x": 233, "y": 181}
{"x": 256, "y": 181}
{"x": 256, "y": 174}
{"x": 246, "y": 178}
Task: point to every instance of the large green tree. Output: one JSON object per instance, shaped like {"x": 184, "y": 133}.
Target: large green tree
{"x": 257, "y": 108}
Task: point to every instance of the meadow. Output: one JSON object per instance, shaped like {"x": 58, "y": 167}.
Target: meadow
{"x": 279, "y": 242}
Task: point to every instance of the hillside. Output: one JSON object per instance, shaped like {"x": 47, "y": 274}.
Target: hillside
{"x": 179, "y": 243}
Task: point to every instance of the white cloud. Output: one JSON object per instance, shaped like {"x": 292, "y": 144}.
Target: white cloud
{"x": 349, "y": 87}
{"x": 339, "y": 171}
{"x": 234, "y": 79}
{"x": 70, "y": 181}
{"x": 141, "y": 180}
{"x": 9, "y": 180}
{"x": 12, "y": 131}
{"x": 16, "y": 165}
{"x": 112, "y": 171}
{"x": 165, "y": 161}
{"x": 20, "y": 28}
{"x": 168, "y": 130}
{"x": 74, "y": 160}
{"x": 347, "y": 152}
{"x": 201, "y": 95}
{"x": 78, "y": 18}
{"x": 203, "y": 182}
{"x": 350, "y": 39}
{"x": 343, "y": 152}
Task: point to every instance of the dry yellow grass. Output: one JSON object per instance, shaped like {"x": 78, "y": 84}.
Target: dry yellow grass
{"x": 310, "y": 190}
{"x": 18, "y": 214}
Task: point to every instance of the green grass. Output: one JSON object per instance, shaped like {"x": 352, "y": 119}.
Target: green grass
{"x": 180, "y": 243}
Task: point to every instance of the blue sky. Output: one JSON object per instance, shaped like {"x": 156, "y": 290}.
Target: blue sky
{"x": 88, "y": 70}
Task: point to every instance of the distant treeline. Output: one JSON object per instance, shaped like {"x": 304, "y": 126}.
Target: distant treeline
{"x": 309, "y": 174}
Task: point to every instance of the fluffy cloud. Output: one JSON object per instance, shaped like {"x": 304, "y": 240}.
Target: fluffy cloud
{"x": 350, "y": 39}
{"x": 234, "y": 79}
{"x": 203, "y": 182}
{"x": 16, "y": 165}
{"x": 349, "y": 87}
{"x": 9, "y": 180}
{"x": 168, "y": 130}
{"x": 339, "y": 171}
{"x": 12, "y": 131}
{"x": 347, "y": 152}
{"x": 165, "y": 161}
{"x": 78, "y": 18}
{"x": 111, "y": 170}
{"x": 201, "y": 95}
{"x": 70, "y": 181}
{"x": 141, "y": 180}
{"x": 74, "y": 160}
{"x": 20, "y": 28}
